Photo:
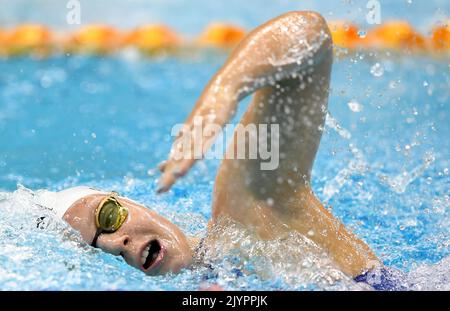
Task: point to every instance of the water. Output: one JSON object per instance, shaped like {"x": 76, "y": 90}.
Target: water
{"x": 382, "y": 167}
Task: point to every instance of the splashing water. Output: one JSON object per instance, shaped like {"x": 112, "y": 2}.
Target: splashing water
{"x": 355, "y": 166}
{"x": 61, "y": 251}
{"x": 377, "y": 70}
{"x": 401, "y": 181}
{"x": 333, "y": 124}
{"x": 355, "y": 106}
{"x": 292, "y": 259}
{"x": 394, "y": 198}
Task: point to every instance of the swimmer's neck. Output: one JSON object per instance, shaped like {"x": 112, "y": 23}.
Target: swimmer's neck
{"x": 194, "y": 244}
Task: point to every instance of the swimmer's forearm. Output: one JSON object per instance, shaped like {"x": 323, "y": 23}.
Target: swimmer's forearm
{"x": 270, "y": 53}
{"x": 247, "y": 71}
{"x": 281, "y": 53}
{"x": 311, "y": 218}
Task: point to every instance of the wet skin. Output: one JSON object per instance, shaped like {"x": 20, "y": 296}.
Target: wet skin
{"x": 286, "y": 64}
{"x": 142, "y": 228}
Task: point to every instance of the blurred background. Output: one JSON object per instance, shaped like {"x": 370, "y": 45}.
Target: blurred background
{"x": 179, "y": 13}
{"x": 104, "y": 119}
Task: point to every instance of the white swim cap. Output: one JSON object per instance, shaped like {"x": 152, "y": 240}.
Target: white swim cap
{"x": 60, "y": 201}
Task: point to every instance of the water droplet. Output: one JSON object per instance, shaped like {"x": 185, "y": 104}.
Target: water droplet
{"x": 151, "y": 172}
{"x": 377, "y": 70}
{"x": 354, "y": 106}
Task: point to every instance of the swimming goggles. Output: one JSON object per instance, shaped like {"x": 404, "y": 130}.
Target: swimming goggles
{"x": 109, "y": 216}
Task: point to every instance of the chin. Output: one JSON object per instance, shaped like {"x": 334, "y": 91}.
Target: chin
{"x": 162, "y": 259}
{"x": 173, "y": 266}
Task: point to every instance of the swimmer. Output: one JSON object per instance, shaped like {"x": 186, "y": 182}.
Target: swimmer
{"x": 286, "y": 65}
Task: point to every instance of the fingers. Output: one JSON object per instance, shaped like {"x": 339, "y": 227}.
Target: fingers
{"x": 172, "y": 170}
{"x": 183, "y": 154}
{"x": 165, "y": 182}
{"x": 162, "y": 166}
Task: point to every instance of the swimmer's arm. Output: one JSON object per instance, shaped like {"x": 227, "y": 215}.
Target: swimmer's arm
{"x": 268, "y": 54}
{"x": 353, "y": 255}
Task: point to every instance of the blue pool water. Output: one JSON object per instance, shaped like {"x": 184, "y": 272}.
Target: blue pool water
{"x": 383, "y": 167}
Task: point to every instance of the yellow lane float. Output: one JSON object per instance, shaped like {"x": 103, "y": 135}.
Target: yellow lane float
{"x": 440, "y": 37}
{"x": 97, "y": 39}
{"x": 152, "y": 39}
{"x": 221, "y": 35}
{"x": 394, "y": 35}
{"x": 29, "y": 38}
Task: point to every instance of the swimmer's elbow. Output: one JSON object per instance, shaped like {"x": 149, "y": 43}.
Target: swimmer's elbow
{"x": 320, "y": 28}
{"x": 314, "y": 25}
{"x": 309, "y": 19}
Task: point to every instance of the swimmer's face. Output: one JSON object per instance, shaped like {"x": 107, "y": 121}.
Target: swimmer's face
{"x": 145, "y": 240}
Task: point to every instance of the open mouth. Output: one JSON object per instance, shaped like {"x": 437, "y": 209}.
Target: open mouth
{"x": 151, "y": 255}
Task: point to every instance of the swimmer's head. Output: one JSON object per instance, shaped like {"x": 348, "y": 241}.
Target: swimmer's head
{"x": 145, "y": 240}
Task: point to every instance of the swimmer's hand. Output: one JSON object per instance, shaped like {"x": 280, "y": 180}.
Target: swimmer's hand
{"x": 172, "y": 170}
{"x": 197, "y": 135}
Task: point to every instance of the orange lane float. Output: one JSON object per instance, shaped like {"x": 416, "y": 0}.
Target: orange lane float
{"x": 29, "y": 38}
{"x": 394, "y": 35}
{"x": 344, "y": 34}
{"x": 440, "y": 38}
{"x": 2, "y": 42}
{"x": 152, "y": 39}
{"x": 97, "y": 39}
{"x": 221, "y": 35}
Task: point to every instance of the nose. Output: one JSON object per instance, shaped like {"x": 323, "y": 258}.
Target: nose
{"x": 115, "y": 244}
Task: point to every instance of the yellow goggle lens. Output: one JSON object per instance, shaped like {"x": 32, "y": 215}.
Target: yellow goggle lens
{"x": 110, "y": 215}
